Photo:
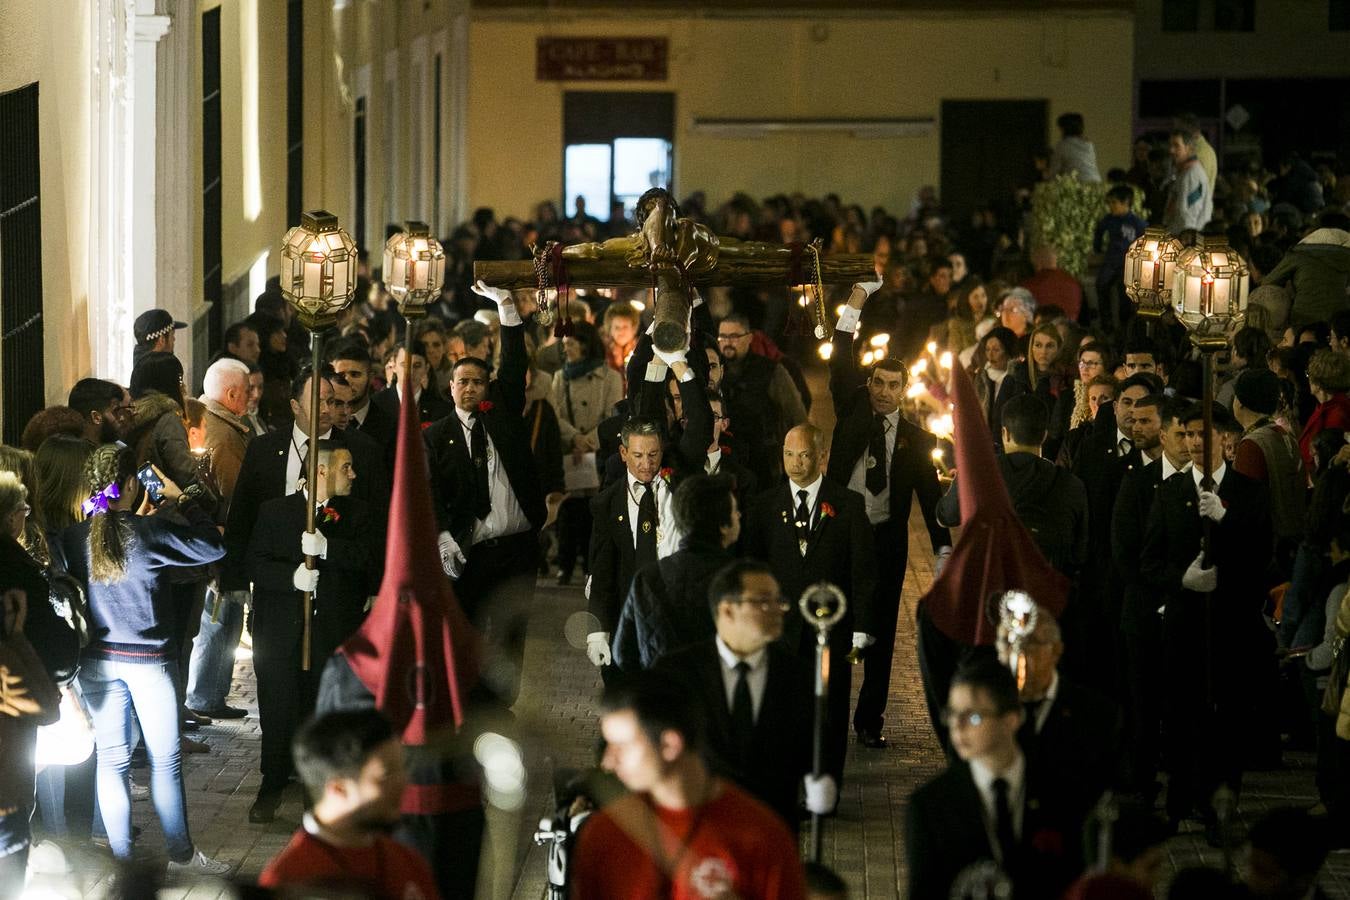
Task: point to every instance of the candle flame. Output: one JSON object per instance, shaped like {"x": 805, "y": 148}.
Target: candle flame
{"x": 825, "y": 350}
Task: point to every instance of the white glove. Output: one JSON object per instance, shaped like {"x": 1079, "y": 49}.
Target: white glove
{"x": 861, "y": 640}
{"x": 656, "y": 371}
{"x": 869, "y": 287}
{"x": 821, "y": 794}
{"x": 452, "y": 558}
{"x": 1211, "y": 506}
{"x": 506, "y": 307}
{"x": 1198, "y": 578}
{"x": 313, "y": 543}
{"x": 597, "y": 648}
{"x": 940, "y": 560}
{"x": 305, "y": 579}
{"x": 671, "y": 357}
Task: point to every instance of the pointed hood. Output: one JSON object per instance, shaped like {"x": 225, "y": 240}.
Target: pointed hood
{"x": 995, "y": 553}
{"x": 416, "y": 652}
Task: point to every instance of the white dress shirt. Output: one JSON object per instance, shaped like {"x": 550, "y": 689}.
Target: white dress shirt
{"x": 812, "y": 505}
{"x": 1016, "y": 776}
{"x": 1168, "y": 470}
{"x": 757, "y": 678}
{"x": 1043, "y": 712}
{"x": 713, "y": 462}
{"x": 506, "y": 517}
{"x": 294, "y": 456}
{"x": 668, "y": 534}
{"x": 1122, "y": 436}
{"x": 1217, "y": 476}
{"x": 878, "y": 506}
{"x": 359, "y": 416}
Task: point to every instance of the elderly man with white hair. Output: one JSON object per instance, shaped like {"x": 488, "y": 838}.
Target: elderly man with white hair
{"x": 225, "y": 394}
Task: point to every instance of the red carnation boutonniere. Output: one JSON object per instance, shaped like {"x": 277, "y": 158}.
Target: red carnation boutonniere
{"x": 426, "y": 425}
{"x": 485, "y": 406}
{"x": 328, "y": 514}
{"x": 665, "y": 473}
{"x": 826, "y": 510}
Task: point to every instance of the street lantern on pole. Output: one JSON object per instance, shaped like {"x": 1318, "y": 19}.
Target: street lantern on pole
{"x": 1150, "y": 264}
{"x": 414, "y": 269}
{"x": 318, "y": 278}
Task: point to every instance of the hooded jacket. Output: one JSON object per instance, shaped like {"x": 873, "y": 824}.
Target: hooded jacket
{"x": 157, "y": 435}
{"x": 1317, "y": 268}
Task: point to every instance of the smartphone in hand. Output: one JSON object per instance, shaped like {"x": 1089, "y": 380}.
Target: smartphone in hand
{"x": 154, "y": 485}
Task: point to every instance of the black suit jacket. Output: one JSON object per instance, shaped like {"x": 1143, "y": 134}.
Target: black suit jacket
{"x": 612, "y": 553}
{"x": 912, "y": 471}
{"x": 262, "y": 477}
{"x": 430, "y": 406}
{"x": 448, "y": 449}
{"x": 839, "y": 550}
{"x": 1101, "y": 468}
{"x": 1129, "y": 519}
{"x": 1079, "y": 746}
{"x": 945, "y": 833}
{"x": 780, "y": 751}
{"x": 349, "y": 574}
{"x": 381, "y": 424}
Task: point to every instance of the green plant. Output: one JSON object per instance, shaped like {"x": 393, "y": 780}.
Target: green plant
{"x": 1064, "y": 212}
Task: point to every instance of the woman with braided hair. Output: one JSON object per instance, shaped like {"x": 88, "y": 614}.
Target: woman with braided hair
{"x": 124, "y": 560}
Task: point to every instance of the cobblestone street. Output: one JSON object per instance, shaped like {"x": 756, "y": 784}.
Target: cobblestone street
{"x": 557, "y": 729}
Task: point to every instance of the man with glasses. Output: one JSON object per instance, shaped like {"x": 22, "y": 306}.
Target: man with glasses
{"x": 988, "y": 805}
{"x": 812, "y": 529}
{"x": 753, "y": 694}
{"x": 760, "y": 396}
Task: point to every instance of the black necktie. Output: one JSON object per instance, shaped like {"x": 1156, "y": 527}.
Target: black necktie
{"x": 645, "y": 545}
{"x": 478, "y": 449}
{"x": 1027, "y": 733}
{"x": 803, "y": 511}
{"x": 1003, "y": 824}
{"x": 876, "y": 457}
{"x": 1125, "y": 446}
{"x": 743, "y": 709}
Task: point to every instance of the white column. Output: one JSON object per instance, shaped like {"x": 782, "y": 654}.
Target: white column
{"x": 178, "y": 188}
{"x": 145, "y": 255}
{"x": 455, "y": 128}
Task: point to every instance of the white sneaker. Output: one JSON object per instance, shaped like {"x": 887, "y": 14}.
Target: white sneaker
{"x": 201, "y": 864}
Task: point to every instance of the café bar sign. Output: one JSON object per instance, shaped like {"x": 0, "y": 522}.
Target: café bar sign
{"x": 601, "y": 59}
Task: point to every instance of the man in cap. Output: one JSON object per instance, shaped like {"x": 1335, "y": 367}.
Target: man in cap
{"x": 154, "y": 330}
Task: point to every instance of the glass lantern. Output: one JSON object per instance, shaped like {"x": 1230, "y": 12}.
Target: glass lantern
{"x": 318, "y": 269}
{"x": 414, "y": 268}
{"x": 1150, "y": 264}
{"x": 1209, "y": 292}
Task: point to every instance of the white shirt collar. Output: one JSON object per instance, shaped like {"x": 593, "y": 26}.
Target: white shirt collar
{"x": 635, "y": 486}
{"x": 714, "y": 458}
{"x": 1217, "y": 476}
{"x": 984, "y": 776}
{"x": 812, "y": 491}
{"x": 730, "y": 659}
{"x": 299, "y": 437}
{"x": 1168, "y": 470}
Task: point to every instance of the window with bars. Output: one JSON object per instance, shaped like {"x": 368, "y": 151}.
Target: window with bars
{"x": 21, "y": 355}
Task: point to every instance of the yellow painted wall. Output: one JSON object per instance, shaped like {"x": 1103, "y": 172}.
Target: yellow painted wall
{"x": 47, "y": 41}
{"x": 797, "y": 67}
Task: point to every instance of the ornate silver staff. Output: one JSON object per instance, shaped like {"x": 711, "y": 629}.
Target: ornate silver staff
{"x": 1017, "y": 613}
{"x": 822, "y": 605}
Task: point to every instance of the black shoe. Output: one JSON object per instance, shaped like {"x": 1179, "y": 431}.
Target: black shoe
{"x": 872, "y": 738}
{"x": 264, "y": 808}
{"x": 222, "y": 712}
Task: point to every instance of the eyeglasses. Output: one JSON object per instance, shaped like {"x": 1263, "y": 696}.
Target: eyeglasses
{"x": 765, "y": 604}
{"x": 965, "y": 718}
{"x": 717, "y": 418}
{"x": 1089, "y": 364}
{"x": 736, "y": 336}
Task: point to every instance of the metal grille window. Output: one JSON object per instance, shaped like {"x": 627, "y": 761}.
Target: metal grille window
{"x": 21, "y": 356}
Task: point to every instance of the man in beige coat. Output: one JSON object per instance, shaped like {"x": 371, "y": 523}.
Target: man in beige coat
{"x": 225, "y": 393}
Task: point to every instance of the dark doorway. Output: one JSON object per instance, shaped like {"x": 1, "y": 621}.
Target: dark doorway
{"x": 616, "y": 145}
{"x": 20, "y": 262}
{"x": 295, "y": 111}
{"x": 211, "y": 178}
{"x": 988, "y": 147}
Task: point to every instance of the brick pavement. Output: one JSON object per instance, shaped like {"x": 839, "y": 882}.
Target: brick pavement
{"x": 556, "y": 727}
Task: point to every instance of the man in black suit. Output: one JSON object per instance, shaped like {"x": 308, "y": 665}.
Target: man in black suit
{"x": 808, "y": 530}
{"x": 1215, "y": 645}
{"x": 431, "y": 406}
{"x": 1107, "y": 454}
{"x": 352, "y": 361}
{"x": 274, "y": 464}
{"x": 1160, "y": 437}
{"x": 350, "y": 559}
{"x": 887, "y": 460}
{"x": 1070, "y": 734}
{"x": 989, "y": 805}
{"x": 490, "y": 502}
{"x": 753, "y": 695}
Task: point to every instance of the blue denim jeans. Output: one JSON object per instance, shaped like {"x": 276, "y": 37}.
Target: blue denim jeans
{"x": 112, "y": 690}
{"x": 212, "y": 665}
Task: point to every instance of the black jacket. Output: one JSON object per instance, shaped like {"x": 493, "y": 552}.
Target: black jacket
{"x": 448, "y": 450}
{"x": 780, "y": 752}
{"x": 1079, "y": 746}
{"x": 667, "y": 606}
{"x": 1048, "y": 500}
{"x": 430, "y": 406}
{"x": 262, "y": 477}
{"x": 1129, "y": 519}
{"x": 612, "y": 553}
{"x": 839, "y": 550}
{"x": 381, "y": 424}
{"x": 347, "y": 575}
{"x": 912, "y": 471}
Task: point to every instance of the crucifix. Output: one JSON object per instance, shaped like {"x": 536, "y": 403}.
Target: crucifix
{"x": 673, "y": 255}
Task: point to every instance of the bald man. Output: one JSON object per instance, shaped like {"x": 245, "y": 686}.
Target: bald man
{"x": 808, "y": 530}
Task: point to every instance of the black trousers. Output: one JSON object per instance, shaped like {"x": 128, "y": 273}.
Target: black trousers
{"x": 574, "y": 534}
{"x": 451, "y": 843}
{"x": 892, "y": 544}
{"x": 286, "y": 697}
{"x": 837, "y": 696}
{"x": 938, "y": 658}
{"x": 1145, "y": 691}
{"x": 496, "y": 592}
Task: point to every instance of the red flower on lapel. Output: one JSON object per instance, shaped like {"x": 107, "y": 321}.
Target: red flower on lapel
{"x": 328, "y": 514}
{"x": 485, "y": 406}
{"x": 665, "y": 473}
{"x": 426, "y": 425}
{"x": 826, "y": 510}
{"x": 1048, "y": 841}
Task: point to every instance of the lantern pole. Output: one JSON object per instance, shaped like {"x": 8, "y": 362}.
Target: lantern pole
{"x": 822, "y": 605}
{"x": 318, "y": 278}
